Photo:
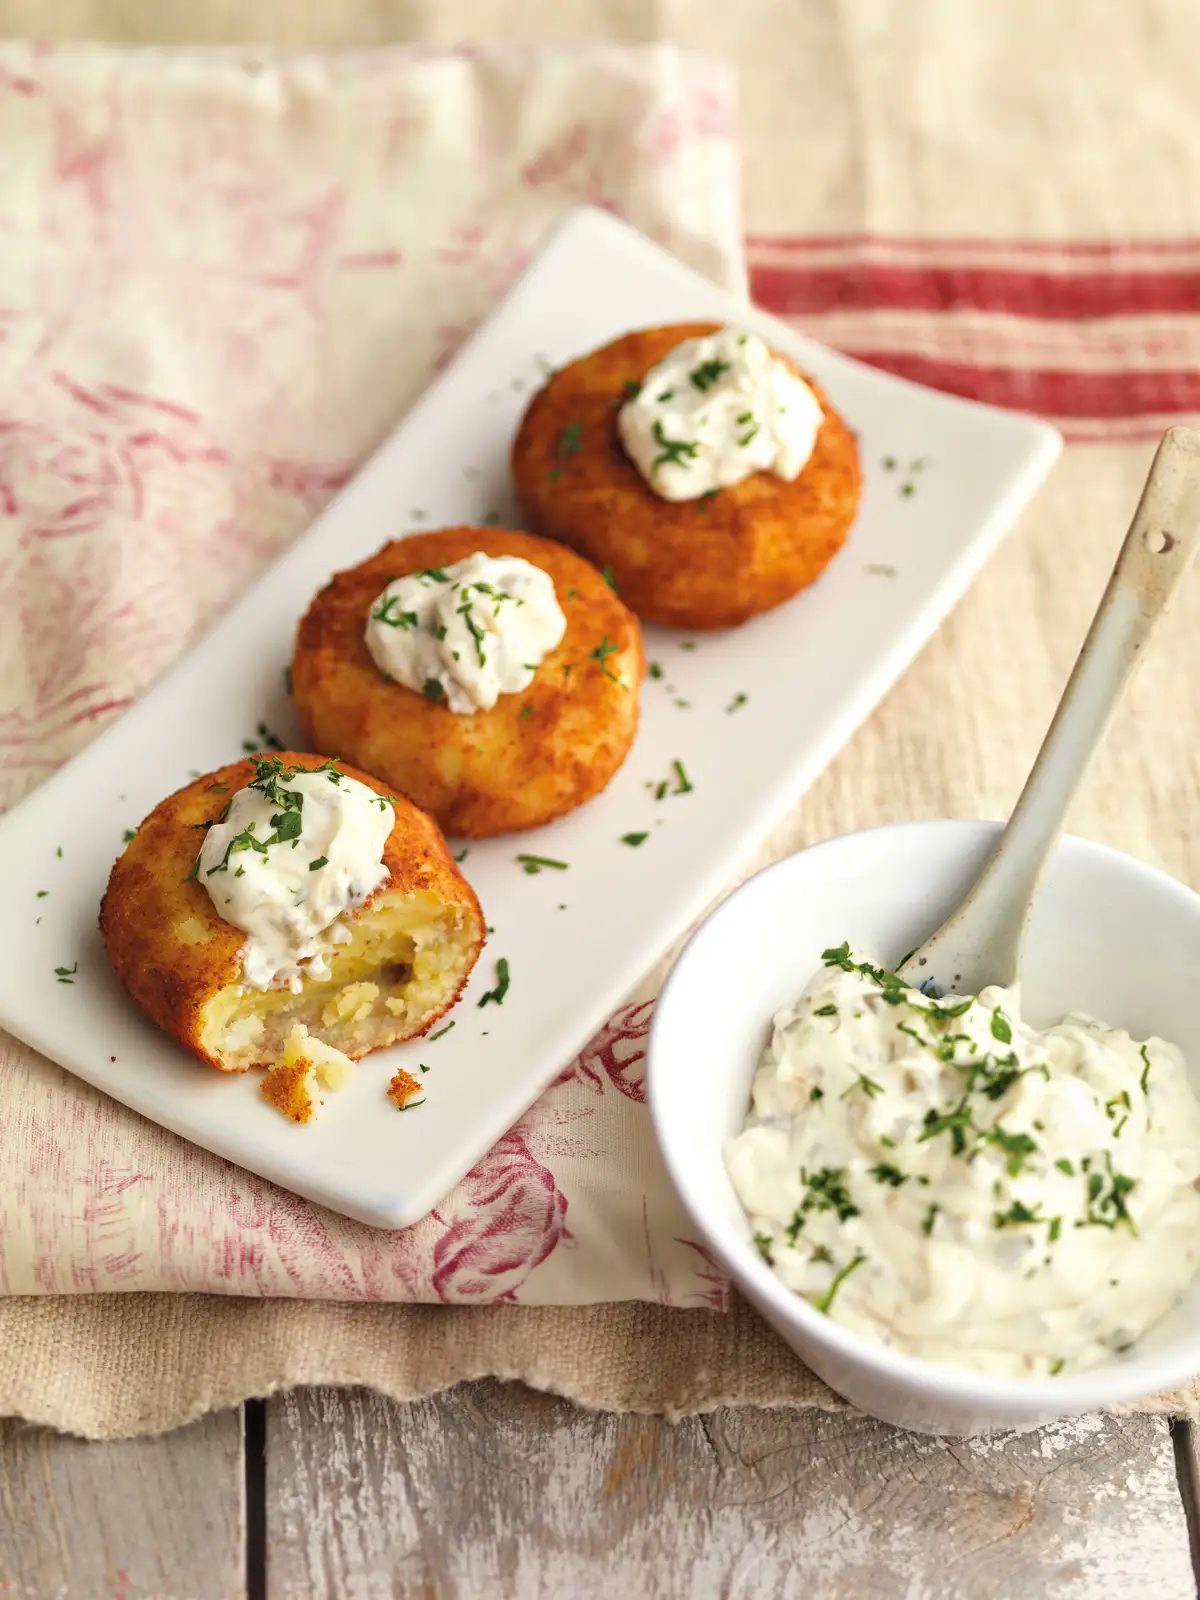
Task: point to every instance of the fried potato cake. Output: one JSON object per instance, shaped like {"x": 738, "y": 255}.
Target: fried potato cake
{"x": 533, "y": 755}
{"x": 411, "y": 944}
{"x": 707, "y": 563}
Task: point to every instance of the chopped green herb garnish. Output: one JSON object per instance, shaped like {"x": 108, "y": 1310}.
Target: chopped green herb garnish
{"x": 707, "y": 373}
{"x": 751, "y": 431}
{"x": 130, "y": 833}
{"x": 1017, "y": 1147}
{"x": 601, "y": 654}
{"x": 570, "y": 441}
{"x": 634, "y": 838}
{"x": 1064, "y": 1165}
{"x": 688, "y": 644}
{"x": 58, "y": 852}
{"x": 704, "y": 500}
{"x": 762, "y": 1243}
{"x": 496, "y": 995}
{"x": 434, "y": 691}
{"x": 683, "y": 784}
{"x": 827, "y": 1192}
{"x": 816, "y": 1094}
{"x": 889, "y": 463}
{"x": 879, "y": 569}
{"x": 826, "y": 1011}
{"x": 392, "y": 616}
{"x": 462, "y": 854}
{"x": 675, "y": 452}
{"x": 606, "y": 573}
{"x": 667, "y": 394}
{"x": 1106, "y": 1196}
{"x": 1017, "y": 1215}
{"x": 318, "y": 863}
{"x": 927, "y": 1225}
{"x": 868, "y": 1086}
{"x": 826, "y": 1300}
{"x": 738, "y": 700}
{"x": 957, "y": 1123}
{"x": 632, "y": 388}
{"x": 441, "y": 1033}
{"x": 66, "y": 974}
{"x": 535, "y": 864}
{"x": 660, "y": 790}
{"x": 1058, "y": 1366}
{"x": 822, "y": 1253}
{"x": 1001, "y": 1027}
{"x": 433, "y": 575}
{"x": 655, "y": 669}
{"x": 885, "y": 1173}
{"x": 1145, "y": 1080}
{"x": 42, "y": 893}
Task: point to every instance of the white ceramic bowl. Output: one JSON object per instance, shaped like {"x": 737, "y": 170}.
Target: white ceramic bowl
{"x": 1109, "y": 936}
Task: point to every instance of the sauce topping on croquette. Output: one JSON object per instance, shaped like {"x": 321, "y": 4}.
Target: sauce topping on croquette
{"x": 465, "y": 634}
{"x": 715, "y": 410}
{"x": 294, "y": 851}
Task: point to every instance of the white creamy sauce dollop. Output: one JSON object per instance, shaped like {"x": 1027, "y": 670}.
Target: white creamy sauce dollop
{"x": 295, "y": 851}
{"x": 465, "y": 634}
{"x": 714, "y": 411}
{"x": 944, "y": 1179}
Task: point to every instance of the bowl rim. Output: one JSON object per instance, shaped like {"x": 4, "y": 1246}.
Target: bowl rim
{"x": 1109, "y": 1383}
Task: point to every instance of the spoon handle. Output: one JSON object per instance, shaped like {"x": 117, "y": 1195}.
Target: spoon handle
{"x": 985, "y": 934}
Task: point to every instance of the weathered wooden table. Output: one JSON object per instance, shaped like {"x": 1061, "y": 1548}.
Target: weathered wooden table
{"x": 494, "y": 1490}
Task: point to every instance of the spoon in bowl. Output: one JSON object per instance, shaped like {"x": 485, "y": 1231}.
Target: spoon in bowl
{"x": 980, "y": 943}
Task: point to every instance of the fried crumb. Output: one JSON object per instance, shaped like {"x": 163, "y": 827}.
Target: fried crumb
{"x": 292, "y": 1089}
{"x": 403, "y": 1088}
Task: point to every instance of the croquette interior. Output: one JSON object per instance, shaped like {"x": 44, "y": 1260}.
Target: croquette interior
{"x": 404, "y": 962}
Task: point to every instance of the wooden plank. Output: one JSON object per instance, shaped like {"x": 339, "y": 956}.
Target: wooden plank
{"x": 131, "y": 1518}
{"x": 492, "y": 1489}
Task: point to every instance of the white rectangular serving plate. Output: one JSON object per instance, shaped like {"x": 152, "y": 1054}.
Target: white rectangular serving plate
{"x": 577, "y": 940}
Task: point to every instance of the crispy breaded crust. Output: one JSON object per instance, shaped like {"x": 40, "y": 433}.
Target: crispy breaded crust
{"x": 707, "y": 563}
{"x": 534, "y": 755}
{"x": 169, "y": 948}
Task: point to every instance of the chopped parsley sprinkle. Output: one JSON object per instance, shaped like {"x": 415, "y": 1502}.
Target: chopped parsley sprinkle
{"x": 410, "y": 1105}
{"x": 422, "y": 1066}
{"x": 433, "y": 575}
{"x": 570, "y": 441}
{"x": 880, "y": 569}
{"x": 827, "y": 1192}
{"x": 655, "y": 669}
{"x": 675, "y": 452}
{"x": 1017, "y": 1147}
{"x": 689, "y": 644}
{"x": 58, "y": 852}
{"x": 318, "y": 863}
{"x": 1058, "y": 1366}
{"x": 525, "y": 711}
{"x": 1001, "y": 1027}
{"x": 634, "y": 838}
{"x": 601, "y": 654}
{"x": 496, "y": 995}
{"x": 1145, "y": 1079}
{"x": 868, "y": 1086}
{"x": 491, "y": 519}
{"x": 747, "y": 417}
{"x": 392, "y": 616}
{"x": 886, "y": 1173}
{"x": 889, "y": 463}
{"x": 606, "y": 573}
{"x": 441, "y": 1033}
{"x": 462, "y": 854}
{"x": 738, "y": 700}
{"x": 66, "y": 974}
{"x": 1066, "y": 1166}
{"x": 1106, "y": 1196}
{"x": 42, "y": 893}
{"x": 826, "y": 1011}
{"x": 704, "y": 500}
{"x": 762, "y": 1243}
{"x": 907, "y": 489}
{"x": 130, "y": 833}
{"x": 535, "y": 864}
{"x": 632, "y": 388}
{"x": 817, "y": 1093}
{"x": 707, "y": 373}
{"x": 683, "y": 784}
{"x": 434, "y": 691}
{"x": 826, "y": 1301}
{"x": 822, "y": 1253}
{"x": 957, "y": 1123}
{"x": 660, "y": 790}
{"x": 927, "y": 1225}
{"x": 667, "y": 394}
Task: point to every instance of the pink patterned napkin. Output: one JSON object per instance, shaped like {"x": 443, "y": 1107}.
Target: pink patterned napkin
{"x": 223, "y": 279}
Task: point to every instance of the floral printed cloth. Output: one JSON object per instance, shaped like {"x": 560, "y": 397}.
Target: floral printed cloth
{"x": 223, "y": 278}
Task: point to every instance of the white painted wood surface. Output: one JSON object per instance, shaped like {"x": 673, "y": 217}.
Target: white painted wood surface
{"x": 131, "y": 1519}
{"x": 493, "y": 1490}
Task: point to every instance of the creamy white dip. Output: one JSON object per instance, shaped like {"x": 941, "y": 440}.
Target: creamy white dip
{"x": 295, "y": 851}
{"x": 714, "y": 411}
{"x": 465, "y": 634}
{"x": 942, "y": 1178}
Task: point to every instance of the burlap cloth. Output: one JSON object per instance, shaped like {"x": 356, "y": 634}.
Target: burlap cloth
{"x": 1000, "y": 199}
